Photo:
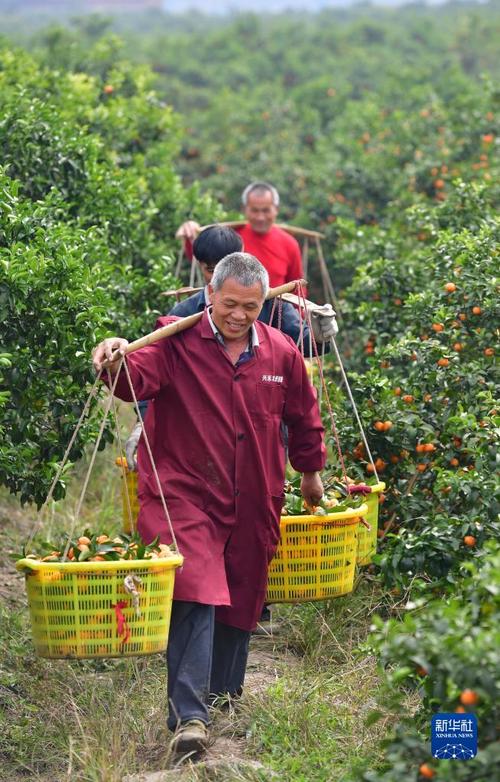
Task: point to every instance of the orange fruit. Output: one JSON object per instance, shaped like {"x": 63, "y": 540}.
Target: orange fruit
{"x": 469, "y": 697}
{"x": 450, "y": 287}
{"x": 108, "y": 89}
{"x": 429, "y": 448}
{"x": 470, "y": 540}
{"x": 460, "y": 710}
{"x": 413, "y": 357}
{"x": 488, "y": 138}
{"x": 370, "y": 468}
{"x": 102, "y": 539}
{"x": 427, "y": 398}
{"x": 408, "y": 398}
{"x": 439, "y": 184}
{"x": 462, "y": 316}
{"x": 457, "y": 441}
{"x": 489, "y": 351}
{"x": 369, "y": 349}
{"x": 394, "y": 459}
{"x": 420, "y": 448}
{"x": 443, "y": 362}
{"x": 380, "y": 464}
{"x": 83, "y": 540}
{"x": 476, "y": 310}
{"x": 437, "y": 327}
{"x": 397, "y": 391}
{"x": 454, "y": 462}
{"x": 426, "y": 771}
{"x": 422, "y": 467}
{"x": 398, "y": 302}
{"x": 379, "y": 426}
{"x": 381, "y": 498}
{"x": 387, "y": 425}
{"x": 458, "y": 346}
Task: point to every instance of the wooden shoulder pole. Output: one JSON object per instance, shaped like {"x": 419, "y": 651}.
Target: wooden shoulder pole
{"x": 185, "y": 323}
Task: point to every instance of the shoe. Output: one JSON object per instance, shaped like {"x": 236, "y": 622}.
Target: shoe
{"x": 191, "y": 736}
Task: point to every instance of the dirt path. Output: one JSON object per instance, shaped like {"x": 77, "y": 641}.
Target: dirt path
{"x": 227, "y": 759}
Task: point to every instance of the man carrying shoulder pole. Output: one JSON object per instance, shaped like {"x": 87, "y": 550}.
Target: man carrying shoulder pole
{"x": 219, "y": 392}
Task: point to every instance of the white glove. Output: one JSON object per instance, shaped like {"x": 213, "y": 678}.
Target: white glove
{"x": 131, "y": 446}
{"x": 324, "y": 323}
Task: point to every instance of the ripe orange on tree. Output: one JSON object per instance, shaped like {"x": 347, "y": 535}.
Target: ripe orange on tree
{"x": 489, "y": 351}
{"x": 443, "y": 362}
{"x": 426, "y": 771}
{"x": 379, "y": 426}
{"x": 469, "y": 697}
{"x": 437, "y": 327}
{"x": 380, "y": 464}
{"x": 397, "y": 391}
{"x": 422, "y": 467}
{"x": 450, "y": 287}
{"x": 408, "y": 398}
{"x": 476, "y": 310}
{"x": 458, "y": 346}
{"x": 454, "y": 462}
{"x": 470, "y": 540}
{"x": 420, "y": 447}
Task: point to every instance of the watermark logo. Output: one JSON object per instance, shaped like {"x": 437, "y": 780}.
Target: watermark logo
{"x": 454, "y": 736}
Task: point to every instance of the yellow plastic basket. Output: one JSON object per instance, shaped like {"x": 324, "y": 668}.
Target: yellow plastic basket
{"x": 72, "y": 606}
{"x": 367, "y": 538}
{"x": 130, "y": 500}
{"x": 315, "y": 558}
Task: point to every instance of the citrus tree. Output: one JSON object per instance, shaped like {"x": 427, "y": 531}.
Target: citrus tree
{"x": 90, "y": 203}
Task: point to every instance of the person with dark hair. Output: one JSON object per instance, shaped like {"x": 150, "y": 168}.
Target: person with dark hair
{"x": 219, "y": 392}
{"x": 278, "y": 252}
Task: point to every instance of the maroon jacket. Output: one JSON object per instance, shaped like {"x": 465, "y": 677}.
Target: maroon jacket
{"x": 215, "y": 435}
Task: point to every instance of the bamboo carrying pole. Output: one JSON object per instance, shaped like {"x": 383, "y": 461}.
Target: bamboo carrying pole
{"x": 290, "y": 229}
{"x": 185, "y": 323}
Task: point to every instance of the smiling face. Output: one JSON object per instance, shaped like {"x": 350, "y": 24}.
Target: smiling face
{"x": 235, "y": 308}
{"x": 260, "y": 211}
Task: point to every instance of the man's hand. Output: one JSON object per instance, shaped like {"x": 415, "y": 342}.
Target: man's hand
{"x": 104, "y": 352}
{"x": 311, "y": 488}
{"x": 188, "y": 230}
{"x": 324, "y": 323}
{"x": 131, "y": 446}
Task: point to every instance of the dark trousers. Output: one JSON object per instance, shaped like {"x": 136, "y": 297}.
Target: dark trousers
{"x": 204, "y": 658}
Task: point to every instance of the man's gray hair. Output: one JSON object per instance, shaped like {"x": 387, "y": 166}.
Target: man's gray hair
{"x": 260, "y": 188}
{"x": 242, "y": 267}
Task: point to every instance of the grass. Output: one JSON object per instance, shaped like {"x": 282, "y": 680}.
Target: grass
{"x": 101, "y": 720}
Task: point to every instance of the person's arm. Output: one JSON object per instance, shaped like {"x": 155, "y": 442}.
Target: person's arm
{"x": 307, "y": 450}
{"x": 188, "y": 231}
{"x": 151, "y": 368}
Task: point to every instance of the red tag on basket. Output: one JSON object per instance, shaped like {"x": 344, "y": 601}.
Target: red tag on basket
{"x": 122, "y": 628}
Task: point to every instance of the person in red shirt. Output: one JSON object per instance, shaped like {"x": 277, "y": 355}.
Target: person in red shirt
{"x": 278, "y": 252}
